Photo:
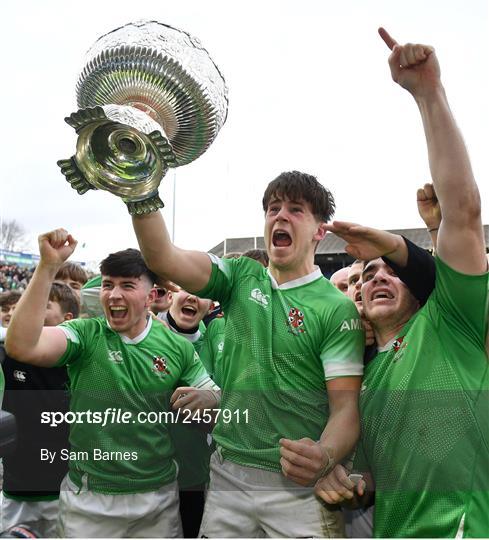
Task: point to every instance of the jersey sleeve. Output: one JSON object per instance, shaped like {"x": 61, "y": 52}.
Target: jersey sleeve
{"x": 463, "y": 300}
{"x": 207, "y": 350}
{"x": 193, "y": 371}
{"x": 222, "y": 280}
{"x": 419, "y": 273}
{"x": 343, "y": 345}
{"x": 75, "y": 340}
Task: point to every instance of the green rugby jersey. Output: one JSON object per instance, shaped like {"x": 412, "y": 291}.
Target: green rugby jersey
{"x": 212, "y": 347}
{"x": 425, "y": 417}
{"x": 108, "y": 370}
{"x": 281, "y": 344}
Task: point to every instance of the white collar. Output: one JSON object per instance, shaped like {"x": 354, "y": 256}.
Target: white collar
{"x": 388, "y": 345}
{"x": 303, "y": 280}
{"x": 137, "y": 339}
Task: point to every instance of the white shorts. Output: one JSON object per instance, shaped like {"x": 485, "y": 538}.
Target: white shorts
{"x": 253, "y": 503}
{"x": 359, "y": 523}
{"x": 87, "y": 514}
{"x": 41, "y": 516}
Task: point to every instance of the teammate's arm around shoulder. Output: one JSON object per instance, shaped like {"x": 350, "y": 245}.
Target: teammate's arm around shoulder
{"x": 189, "y": 269}
{"x": 27, "y": 339}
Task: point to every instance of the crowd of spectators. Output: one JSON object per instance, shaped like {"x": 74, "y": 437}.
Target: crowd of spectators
{"x": 13, "y": 277}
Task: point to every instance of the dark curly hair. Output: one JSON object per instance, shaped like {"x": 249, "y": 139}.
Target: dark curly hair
{"x": 297, "y": 186}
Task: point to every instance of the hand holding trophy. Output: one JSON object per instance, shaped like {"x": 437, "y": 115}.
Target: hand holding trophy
{"x": 149, "y": 97}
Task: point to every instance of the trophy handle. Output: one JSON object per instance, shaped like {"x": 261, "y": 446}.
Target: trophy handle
{"x": 119, "y": 158}
{"x": 138, "y": 208}
{"x": 74, "y": 176}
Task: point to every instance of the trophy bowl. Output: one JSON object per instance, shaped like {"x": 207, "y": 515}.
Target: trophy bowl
{"x": 150, "y": 97}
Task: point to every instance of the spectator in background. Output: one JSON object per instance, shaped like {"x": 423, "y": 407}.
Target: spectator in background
{"x": 354, "y": 292}
{"x": 259, "y": 255}
{"x": 232, "y": 255}
{"x": 340, "y": 279}
{"x": 73, "y": 275}
{"x": 192, "y": 448}
{"x": 14, "y": 277}
{"x": 164, "y": 299}
{"x": 8, "y": 301}
{"x": 31, "y": 484}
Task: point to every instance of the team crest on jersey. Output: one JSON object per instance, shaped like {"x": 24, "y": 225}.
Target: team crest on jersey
{"x": 296, "y": 321}
{"x": 398, "y": 347}
{"x": 160, "y": 365}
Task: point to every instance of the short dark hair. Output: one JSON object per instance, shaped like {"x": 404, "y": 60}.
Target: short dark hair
{"x": 127, "y": 263}
{"x": 66, "y": 298}
{"x": 73, "y": 271}
{"x": 9, "y": 298}
{"x": 259, "y": 255}
{"x": 296, "y": 186}
{"x": 232, "y": 255}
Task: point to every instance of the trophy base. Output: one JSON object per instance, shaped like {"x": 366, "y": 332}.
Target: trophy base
{"x": 139, "y": 208}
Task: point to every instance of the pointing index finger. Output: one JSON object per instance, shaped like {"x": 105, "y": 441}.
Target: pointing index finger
{"x": 388, "y": 40}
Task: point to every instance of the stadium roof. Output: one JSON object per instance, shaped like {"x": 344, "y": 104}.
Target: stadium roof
{"x": 330, "y": 245}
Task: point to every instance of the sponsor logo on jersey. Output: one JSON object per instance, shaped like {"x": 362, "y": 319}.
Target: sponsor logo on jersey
{"x": 19, "y": 375}
{"x": 220, "y": 346}
{"x": 296, "y": 321}
{"x": 352, "y": 324}
{"x": 116, "y": 357}
{"x": 261, "y": 299}
{"x": 160, "y": 365}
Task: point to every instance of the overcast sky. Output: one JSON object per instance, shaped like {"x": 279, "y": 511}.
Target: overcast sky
{"x": 309, "y": 89}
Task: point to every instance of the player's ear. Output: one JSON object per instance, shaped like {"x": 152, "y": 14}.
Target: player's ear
{"x": 68, "y": 316}
{"x": 320, "y": 232}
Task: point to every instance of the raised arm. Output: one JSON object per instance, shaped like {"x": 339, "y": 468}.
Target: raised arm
{"x": 429, "y": 211}
{"x": 27, "y": 339}
{"x": 460, "y": 237}
{"x": 189, "y": 269}
{"x": 412, "y": 264}
{"x": 367, "y": 243}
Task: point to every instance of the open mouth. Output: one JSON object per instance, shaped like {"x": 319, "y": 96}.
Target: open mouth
{"x": 358, "y": 297}
{"x": 281, "y": 239}
{"x": 189, "y": 311}
{"x": 118, "y": 312}
{"x": 382, "y": 295}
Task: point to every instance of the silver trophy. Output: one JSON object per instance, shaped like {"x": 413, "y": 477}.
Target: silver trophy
{"x": 149, "y": 97}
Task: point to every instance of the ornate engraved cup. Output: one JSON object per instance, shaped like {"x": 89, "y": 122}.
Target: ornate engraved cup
{"x": 149, "y": 97}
